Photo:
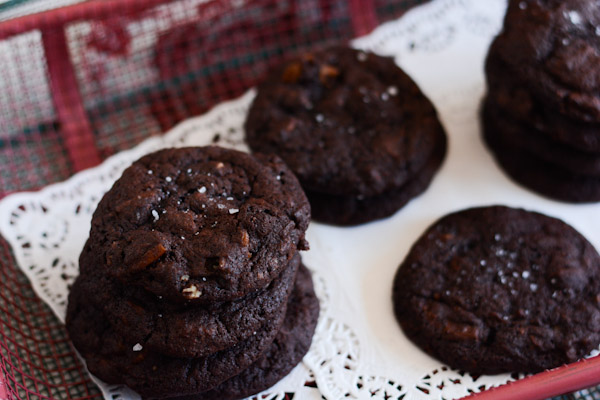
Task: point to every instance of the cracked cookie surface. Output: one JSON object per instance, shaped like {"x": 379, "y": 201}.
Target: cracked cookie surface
{"x": 199, "y": 225}
{"x": 495, "y": 289}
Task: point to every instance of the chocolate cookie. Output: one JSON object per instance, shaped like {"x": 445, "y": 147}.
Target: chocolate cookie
{"x": 290, "y": 345}
{"x": 553, "y": 45}
{"x": 537, "y": 174}
{"x": 352, "y": 210}
{"x": 514, "y": 94}
{"x": 496, "y": 289}
{"x": 184, "y": 330}
{"x": 527, "y": 138}
{"x": 348, "y": 123}
{"x": 199, "y": 225}
{"x": 115, "y": 360}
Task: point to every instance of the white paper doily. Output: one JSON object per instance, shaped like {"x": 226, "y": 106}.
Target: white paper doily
{"x": 359, "y": 351}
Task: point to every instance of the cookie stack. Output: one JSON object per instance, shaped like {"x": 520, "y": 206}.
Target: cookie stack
{"x": 356, "y": 130}
{"x": 541, "y": 117}
{"x": 191, "y": 283}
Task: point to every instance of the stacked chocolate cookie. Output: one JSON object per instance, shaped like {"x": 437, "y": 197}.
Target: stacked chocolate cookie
{"x": 541, "y": 117}
{"x": 191, "y": 283}
{"x": 356, "y": 130}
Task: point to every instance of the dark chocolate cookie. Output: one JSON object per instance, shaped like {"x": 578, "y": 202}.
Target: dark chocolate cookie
{"x": 290, "y": 345}
{"x": 353, "y": 210}
{"x": 348, "y": 123}
{"x": 554, "y": 46}
{"x": 496, "y": 289}
{"x": 199, "y": 224}
{"x": 536, "y": 174}
{"x": 116, "y": 360}
{"x": 186, "y": 330}
{"x": 528, "y": 138}
{"x": 514, "y": 94}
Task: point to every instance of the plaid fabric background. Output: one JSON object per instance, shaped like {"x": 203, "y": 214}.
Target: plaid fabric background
{"x": 99, "y": 77}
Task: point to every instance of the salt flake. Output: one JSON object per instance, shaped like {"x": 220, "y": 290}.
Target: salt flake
{"x": 533, "y": 287}
{"x": 574, "y": 17}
